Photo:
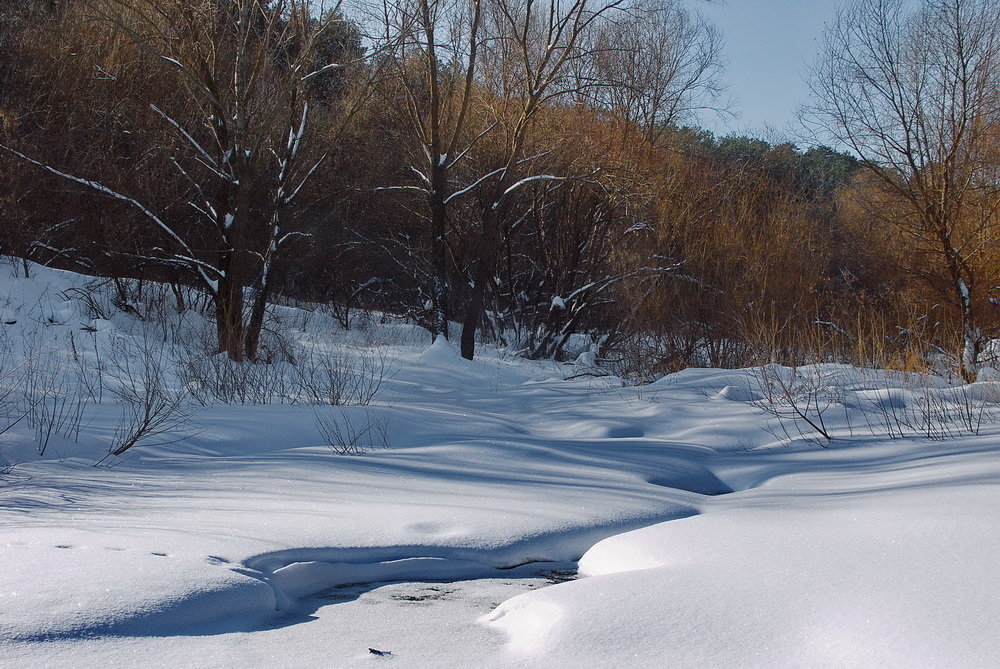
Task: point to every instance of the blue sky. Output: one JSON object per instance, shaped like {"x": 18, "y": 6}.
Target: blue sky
{"x": 770, "y": 45}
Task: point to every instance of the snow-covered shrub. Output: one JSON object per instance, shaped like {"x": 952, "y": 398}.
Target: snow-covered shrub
{"x": 949, "y": 412}
{"x": 349, "y": 431}
{"x": 57, "y": 405}
{"x": 901, "y": 405}
{"x": 95, "y": 301}
{"x": 334, "y": 378}
{"x": 799, "y": 397}
{"x": 12, "y": 374}
{"x": 291, "y": 372}
{"x": 646, "y": 357}
{"x": 212, "y": 377}
{"x": 989, "y": 357}
{"x": 151, "y": 406}
{"x": 876, "y": 403}
{"x": 6, "y": 466}
{"x": 47, "y": 391}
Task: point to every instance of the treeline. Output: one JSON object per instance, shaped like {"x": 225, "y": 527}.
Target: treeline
{"x": 522, "y": 168}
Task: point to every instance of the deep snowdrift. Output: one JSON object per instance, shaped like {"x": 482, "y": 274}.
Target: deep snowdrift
{"x": 703, "y": 539}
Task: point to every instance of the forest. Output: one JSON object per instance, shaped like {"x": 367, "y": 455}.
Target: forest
{"x": 514, "y": 173}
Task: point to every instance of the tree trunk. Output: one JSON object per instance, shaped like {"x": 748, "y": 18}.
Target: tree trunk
{"x": 229, "y": 308}
{"x": 962, "y": 282}
{"x": 257, "y": 311}
{"x": 971, "y": 335}
{"x": 439, "y": 297}
{"x": 178, "y": 292}
{"x": 477, "y": 301}
{"x": 472, "y": 317}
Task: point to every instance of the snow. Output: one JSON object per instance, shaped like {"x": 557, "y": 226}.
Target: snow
{"x": 794, "y": 584}
{"x": 701, "y": 538}
{"x": 737, "y": 394}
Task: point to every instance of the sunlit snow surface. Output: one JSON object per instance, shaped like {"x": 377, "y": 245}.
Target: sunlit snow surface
{"x": 700, "y": 541}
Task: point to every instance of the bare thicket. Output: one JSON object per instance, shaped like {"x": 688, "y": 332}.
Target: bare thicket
{"x": 802, "y": 399}
{"x": 155, "y": 365}
{"x": 799, "y": 398}
{"x": 335, "y": 379}
{"x": 351, "y": 432}
{"x": 288, "y": 372}
{"x": 45, "y": 386}
{"x": 13, "y": 372}
{"x": 52, "y": 392}
{"x": 154, "y": 410}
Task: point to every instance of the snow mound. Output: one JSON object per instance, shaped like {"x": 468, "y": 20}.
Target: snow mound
{"x": 440, "y": 352}
{"x": 980, "y": 393}
{"x": 880, "y": 399}
{"x": 592, "y": 429}
{"x": 736, "y": 394}
{"x": 988, "y": 374}
{"x": 779, "y": 588}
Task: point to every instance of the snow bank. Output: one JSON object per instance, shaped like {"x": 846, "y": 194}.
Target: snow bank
{"x": 895, "y": 580}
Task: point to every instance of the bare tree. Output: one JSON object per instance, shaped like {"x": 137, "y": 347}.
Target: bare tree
{"x": 472, "y": 77}
{"x": 235, "y": 128}
{"x": 652, "y": 67}
{"x": 436, "y": 70}
{"x": 533, "y": 44}
{"x": 472, "y": 70}
{"x": 916, "y": 95}
{"x": 650, "y": 62}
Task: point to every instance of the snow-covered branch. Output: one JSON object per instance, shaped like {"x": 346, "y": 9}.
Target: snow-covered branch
{"x": 104, "y": 190}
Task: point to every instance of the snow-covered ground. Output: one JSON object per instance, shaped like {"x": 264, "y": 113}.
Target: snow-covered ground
{"x": 519, "y": 519}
